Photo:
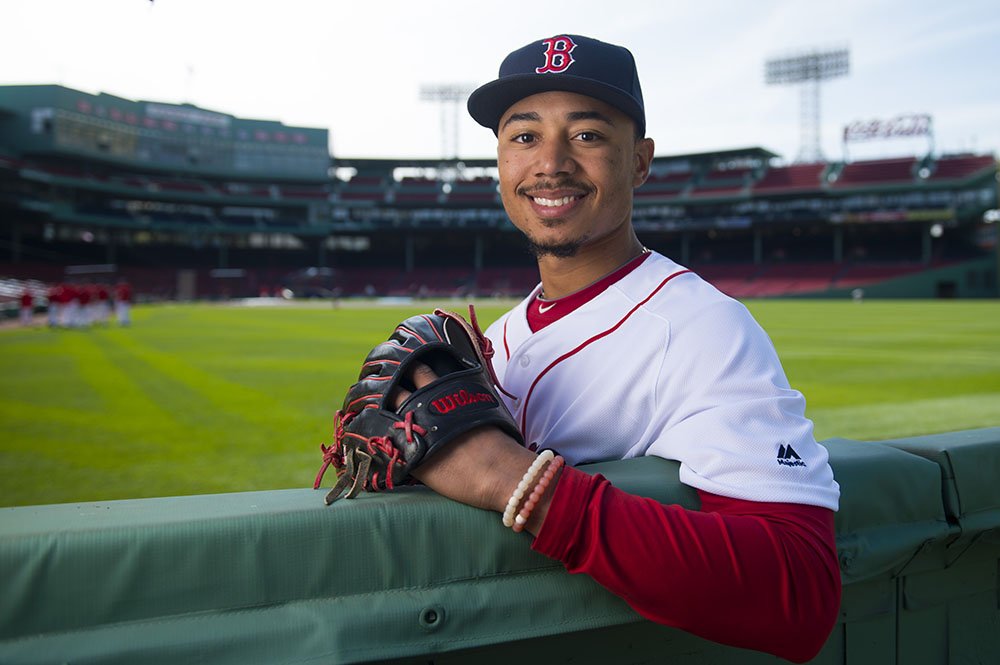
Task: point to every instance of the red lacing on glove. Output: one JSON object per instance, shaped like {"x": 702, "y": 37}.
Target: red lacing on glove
{"x": 334, "y": 453}
{"x": 409, "y": 427}
{"x": 383, "y": 444}
{"x": 331, "y": 455}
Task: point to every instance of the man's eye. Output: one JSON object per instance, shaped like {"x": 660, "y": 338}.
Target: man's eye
{"x": 588, "y": 136}
{"x": 524, "y": 138}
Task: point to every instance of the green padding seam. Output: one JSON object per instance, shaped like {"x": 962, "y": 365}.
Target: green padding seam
{"x": 970, "y": 472}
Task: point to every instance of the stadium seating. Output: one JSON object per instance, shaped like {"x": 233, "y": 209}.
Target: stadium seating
{"x": 749, "y": 280}
{"x": 482, "y": 190}
{"x": 877, "y": 172}
{"x": 794, "y": 178}
{"x": 60, "y": 206}
{"x": 665, "y": 186}
{"x": 362, "y": 188}
{"x": 173, "y": 185}
{"x": 950, "y": 168}
{"x": 424, "y": 191}
{"x": 242, "y": 189}
{"x": 288, "y": 192}
{"x": 861, "y": 274}
{"x": 437, "y": 282}
{"x": 508, "y": 281}
{"x": 730, "y": 182}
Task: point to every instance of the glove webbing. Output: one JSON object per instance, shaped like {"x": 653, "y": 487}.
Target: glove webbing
{"x": 358, "y": 471}
{"x": 359, "y": 475}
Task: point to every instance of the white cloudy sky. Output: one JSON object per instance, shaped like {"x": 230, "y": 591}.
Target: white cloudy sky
{"x": 356, "y": 67}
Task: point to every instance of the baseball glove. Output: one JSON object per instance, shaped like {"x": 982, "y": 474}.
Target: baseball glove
{"x": 376, "y": 445}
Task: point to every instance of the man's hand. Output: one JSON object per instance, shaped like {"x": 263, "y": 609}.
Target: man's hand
{"x": 378, "y": 442}
{"x": 480, "y": 468}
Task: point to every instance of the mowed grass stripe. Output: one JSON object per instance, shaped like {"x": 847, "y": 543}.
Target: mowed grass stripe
{"x": 887, "y": 369}
{"x": 201, "y": 398}
{"x": 208, "y": 398}
{"x": 36, "y": 367}
{"x": 123, "y": 439}
{"x": 104, "y": 372}
{"x": 907, "y": 418}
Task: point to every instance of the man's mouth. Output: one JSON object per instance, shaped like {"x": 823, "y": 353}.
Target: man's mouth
{"x": 554, "y": 203}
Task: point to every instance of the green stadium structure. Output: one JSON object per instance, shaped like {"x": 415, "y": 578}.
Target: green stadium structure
{"x": 192, "y": 203}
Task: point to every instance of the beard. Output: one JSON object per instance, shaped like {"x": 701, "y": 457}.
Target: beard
{"x": 562, "y": 250}
{"x": 559, "y": 250}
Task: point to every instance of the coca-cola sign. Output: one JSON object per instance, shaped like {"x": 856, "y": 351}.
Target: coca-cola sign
{"x": 907, "y": 124}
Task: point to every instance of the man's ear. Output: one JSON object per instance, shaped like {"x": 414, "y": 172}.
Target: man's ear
{"x": 643, "y": 160}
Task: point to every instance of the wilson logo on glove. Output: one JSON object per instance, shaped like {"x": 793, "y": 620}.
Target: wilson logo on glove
{"x": 461, "y": 399}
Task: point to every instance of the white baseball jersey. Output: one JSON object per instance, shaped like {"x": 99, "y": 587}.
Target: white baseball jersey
{"x": 662, "y": 363}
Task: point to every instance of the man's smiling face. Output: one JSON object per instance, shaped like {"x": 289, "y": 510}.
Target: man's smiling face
{"x": 568, "y": 165}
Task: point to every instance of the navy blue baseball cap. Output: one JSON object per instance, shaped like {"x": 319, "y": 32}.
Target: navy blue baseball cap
{"x": 570, "y": 63}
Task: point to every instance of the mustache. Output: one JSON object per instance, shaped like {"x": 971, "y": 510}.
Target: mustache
{"x": 549, "y": 185}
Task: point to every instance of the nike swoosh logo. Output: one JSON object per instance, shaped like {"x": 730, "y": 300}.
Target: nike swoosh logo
{"x": 544, "y": 308}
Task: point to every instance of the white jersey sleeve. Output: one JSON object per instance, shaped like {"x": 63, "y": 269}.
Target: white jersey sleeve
{"x": 727, "y": 413}
{"x": 662, "y": 363}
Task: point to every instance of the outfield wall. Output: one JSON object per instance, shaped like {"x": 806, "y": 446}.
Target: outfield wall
{"x": 969, "y": 279}
{"x": 412, "y": 577}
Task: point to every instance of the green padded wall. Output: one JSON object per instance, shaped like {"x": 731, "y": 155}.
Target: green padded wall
{"x": 412, "y": 577}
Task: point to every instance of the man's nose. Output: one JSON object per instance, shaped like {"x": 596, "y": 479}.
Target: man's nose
{"x": 555, "y": 157}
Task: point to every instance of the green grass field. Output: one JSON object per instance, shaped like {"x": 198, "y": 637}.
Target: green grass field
{"x": 198, "y": 399}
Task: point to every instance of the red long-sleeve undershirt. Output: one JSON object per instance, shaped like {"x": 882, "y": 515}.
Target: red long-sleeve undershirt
{"x": 761, "y": 576}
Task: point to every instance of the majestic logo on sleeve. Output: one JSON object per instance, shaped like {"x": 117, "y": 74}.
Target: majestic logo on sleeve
{"x": 461, "y": 399}
{"x": 558, "y": 55}
{"x": 788, "y": 457}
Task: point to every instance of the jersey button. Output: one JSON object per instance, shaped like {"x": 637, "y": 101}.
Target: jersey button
{"x": 524, "y": 361}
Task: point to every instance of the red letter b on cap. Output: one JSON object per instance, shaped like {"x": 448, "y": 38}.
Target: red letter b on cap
{"x": 558, "y": 55}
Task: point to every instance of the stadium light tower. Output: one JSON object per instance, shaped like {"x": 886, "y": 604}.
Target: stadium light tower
{"x": 451, "y": 96}
{"x": 809, "y": 69}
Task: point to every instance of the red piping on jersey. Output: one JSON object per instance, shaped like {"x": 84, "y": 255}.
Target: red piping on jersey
{"x": 506, "y": 349}
{"x": 524, "y": 411}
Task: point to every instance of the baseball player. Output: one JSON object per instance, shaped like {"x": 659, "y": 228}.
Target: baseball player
{"x": 27, "y": 312}
{"x": 621, "y": 352}
{"x": 55, "y": 296}
{"x": 123, "y": 303}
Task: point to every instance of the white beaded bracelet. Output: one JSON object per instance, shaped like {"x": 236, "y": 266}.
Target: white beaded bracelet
{"x": 522, "y": 487}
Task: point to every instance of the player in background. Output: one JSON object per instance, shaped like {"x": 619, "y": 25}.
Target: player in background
{"x": 103, "y": 307}
{"x": 84, "y": 311}
{"x": 67, "y": 315}
{"x": 123, "y": 303}
{"x": 27, "y": 312}
{"x": 54, "y": 304}
{"x": 620, "y": 352}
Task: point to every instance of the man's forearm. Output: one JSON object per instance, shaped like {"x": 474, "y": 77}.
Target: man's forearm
{"x": 755, "y": 575}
